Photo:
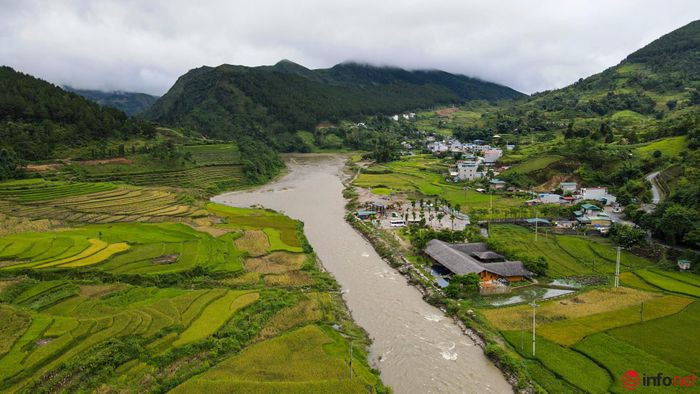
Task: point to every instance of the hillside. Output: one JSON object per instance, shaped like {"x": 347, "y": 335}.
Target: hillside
{"x": 37, "y": 117}
{"x": 129, "y": 102}
{"x": 228, "y": 101}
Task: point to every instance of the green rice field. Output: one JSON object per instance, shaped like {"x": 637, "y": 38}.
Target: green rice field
{"x": 567, "y": 255}
{"x": 94, "y": 203}
{"x": 167, "y": 304}
{"x": 604, "y": 332}
{"x": 210, "y": 168}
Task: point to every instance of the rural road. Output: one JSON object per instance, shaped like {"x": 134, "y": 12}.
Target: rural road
{"x": 655, "y": 193}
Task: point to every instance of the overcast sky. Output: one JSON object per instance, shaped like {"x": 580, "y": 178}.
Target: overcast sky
{"x": 145, "y": 45}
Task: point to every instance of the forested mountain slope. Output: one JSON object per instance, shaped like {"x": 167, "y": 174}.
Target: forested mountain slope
{"x": 229, "y": 101}
{"x": 130, "y": 102}
{"x": 36, "y": 117}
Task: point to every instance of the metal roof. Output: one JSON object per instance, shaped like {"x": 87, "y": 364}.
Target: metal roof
{"x": 461, "y": 263}
{"x": 452, "y": 259}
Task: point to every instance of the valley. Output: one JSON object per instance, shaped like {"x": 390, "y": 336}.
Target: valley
{"x": 354, "y": 228}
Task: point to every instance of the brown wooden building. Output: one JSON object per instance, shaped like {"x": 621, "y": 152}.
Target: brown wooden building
{"x": 467, "y": 258}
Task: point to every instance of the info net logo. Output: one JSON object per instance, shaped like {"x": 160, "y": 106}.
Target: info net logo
{"x": 633, "y": 380}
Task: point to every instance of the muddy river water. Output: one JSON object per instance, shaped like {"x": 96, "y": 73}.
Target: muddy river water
{"x": 416, "y": 348}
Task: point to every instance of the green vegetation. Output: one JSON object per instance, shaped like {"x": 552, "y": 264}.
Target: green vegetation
{"x": 421, "y": 177}
{"x": 618, "y": 357}
{"x": 603, "y": 333}
{"x": 164, "y": 305}
{"x": 534, "y": 164}
{"x": 92, "y": 202}
{"x": 669, "y": 147}
{"x": 37, "y": 117}
{"x": 669, "y": 338}
{"x": 304, "y": 359}
{"x": 131, "y": 103}
{"x": 571, "y": 366}
{"x": 669, "y": 283}
{"x": 566, "y": 255}
{"x": 225, "y": 101}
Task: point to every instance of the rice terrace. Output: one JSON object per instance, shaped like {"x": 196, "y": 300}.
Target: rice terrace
{"x": 124, "y": 286}
{"x": 479, "y": 197}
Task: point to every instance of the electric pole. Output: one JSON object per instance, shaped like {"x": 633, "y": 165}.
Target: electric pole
{"x": 533, "y": 305}
{"x": 641, "y": 312}
{"x": 350, "y": 359}
{"x": 536, "y": 221}
{"x": 617, "y": 269}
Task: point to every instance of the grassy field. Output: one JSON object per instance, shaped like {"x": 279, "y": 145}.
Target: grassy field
{"x": 567, "y": 255}
{"x": 222, "y": 292}
{"x": 534, "y": 164}
{"x": 674, "y": 282}
{"x": 669, "y": 147}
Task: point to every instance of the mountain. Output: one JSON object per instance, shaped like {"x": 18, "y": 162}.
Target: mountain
{"x": 652, "y": 93}
{"x": 129, "y": 102}
{"x": 228, "y": 101}
{"x": 37, "y": 117}
{"x": 666, "y": 71}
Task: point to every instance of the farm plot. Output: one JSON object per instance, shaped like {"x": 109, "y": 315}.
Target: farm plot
{"x": 619, "y": 357}
{"x": 212, "y": 178}
{"x": 256, "y": 219}
{"x": 660, "y": 279}
{"x": 32, "y": 190}
{"x": 97, "y": 204}
{"x": 572, "y": 366}
{"x": 299, "y": 361}
{"x": 672, "y": 339}
{"x": 568, "y": 332}
{"x": 130, "y": 248}
{"x": 580, "y": 305}
{"x": 213, "y": 154}
{"x": 567, "y": 255}
{"x": 152, "y": 305}
{"x": 534, "y": 164}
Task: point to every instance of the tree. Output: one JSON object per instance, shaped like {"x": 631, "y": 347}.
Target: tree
{"x": 627, "y": 236}
{"x": 461, "y": 286}
{"x": 385, "y": 147}
{"x": 9, "y": 167}
{"x": 676, "y": 222}
{"x": 537, "y": 265}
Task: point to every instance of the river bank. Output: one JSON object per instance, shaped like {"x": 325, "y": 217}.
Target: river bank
{"x": 415, "y": 347}
{"x": 471, "y": 325}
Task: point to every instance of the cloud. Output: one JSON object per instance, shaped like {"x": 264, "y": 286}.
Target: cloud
{"x": 145, "y": 45}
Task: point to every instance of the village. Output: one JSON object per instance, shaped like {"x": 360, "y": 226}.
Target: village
{"x": 474, "y": 166}
{"x": 442, "y": 184}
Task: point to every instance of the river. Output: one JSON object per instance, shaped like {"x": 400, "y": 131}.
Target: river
{"x": 416, "y": 348}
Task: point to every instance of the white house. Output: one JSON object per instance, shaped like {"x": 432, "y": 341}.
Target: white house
{"x": 598, "y": 194}
{"x": 467, "y": 170}
{"x": 549, "y": 198}
{"x": 569, "y": 187}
